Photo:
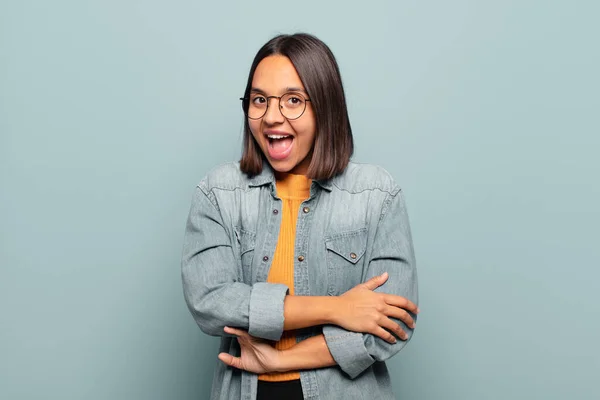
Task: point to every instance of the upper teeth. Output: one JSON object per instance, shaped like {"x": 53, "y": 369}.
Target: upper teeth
{"x": 277, "y": 136}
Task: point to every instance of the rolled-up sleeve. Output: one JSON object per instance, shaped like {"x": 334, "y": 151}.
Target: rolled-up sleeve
{"x": 392, "y": 253}
{"x": 212, "y": 287}
{"x": 266, "y": 310}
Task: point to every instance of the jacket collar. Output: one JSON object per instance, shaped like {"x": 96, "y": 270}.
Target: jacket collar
{"x": 266, "y": 176}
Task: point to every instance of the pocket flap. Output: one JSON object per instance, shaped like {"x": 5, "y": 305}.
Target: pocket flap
{"x": 350, "y": 245}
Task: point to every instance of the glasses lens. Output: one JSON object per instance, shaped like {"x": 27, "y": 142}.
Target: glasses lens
{"x": 292, "y": 105}
{"x": 257, "y": 106}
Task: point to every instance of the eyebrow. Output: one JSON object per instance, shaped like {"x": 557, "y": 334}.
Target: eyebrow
{"x": 287, "y": 89}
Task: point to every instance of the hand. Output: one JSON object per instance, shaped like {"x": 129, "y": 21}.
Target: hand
{"x": 258, "y": 355}
{"x": 362, "y": 310}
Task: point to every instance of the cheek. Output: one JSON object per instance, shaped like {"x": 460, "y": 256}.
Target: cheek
{"x": 254, "y": 128}
{"x": 310, "y": 127}
{"x": 307, "y": 134}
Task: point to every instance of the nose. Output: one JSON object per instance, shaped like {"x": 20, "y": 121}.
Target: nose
{"x": 273, "y": 115}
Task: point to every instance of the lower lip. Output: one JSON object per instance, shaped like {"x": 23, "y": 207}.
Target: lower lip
{"x": 279, "y": 156}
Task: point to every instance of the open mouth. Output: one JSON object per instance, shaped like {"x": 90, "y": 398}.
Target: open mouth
{"x": 280, "y": 145}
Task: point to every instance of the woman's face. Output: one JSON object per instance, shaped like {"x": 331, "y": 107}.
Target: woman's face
{"x": 287, "y": 144}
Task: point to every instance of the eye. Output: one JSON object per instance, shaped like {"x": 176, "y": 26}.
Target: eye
{"x": 258, "y": 100}
{"x": 293, "y": 100}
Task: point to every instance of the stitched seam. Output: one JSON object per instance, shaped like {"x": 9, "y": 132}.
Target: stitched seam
{"x": 386, "y": 205}
{"x": 345, "y": 234}
{"x": 394, "y": 190}
{"x": 209, "y": 194}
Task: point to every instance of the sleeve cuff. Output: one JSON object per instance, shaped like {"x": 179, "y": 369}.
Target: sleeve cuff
{"x": 266, "y": 310}
{"x": 348, "y": 350}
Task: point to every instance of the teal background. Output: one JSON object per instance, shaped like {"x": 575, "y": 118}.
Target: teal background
{"x": 485, "y": 112}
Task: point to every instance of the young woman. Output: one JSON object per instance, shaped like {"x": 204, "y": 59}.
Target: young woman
{"x": 301, "y": 260}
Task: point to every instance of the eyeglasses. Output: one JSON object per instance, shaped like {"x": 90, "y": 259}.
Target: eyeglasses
{"x": 291, "y": 105}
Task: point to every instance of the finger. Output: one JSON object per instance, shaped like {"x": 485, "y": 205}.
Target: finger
{"x": 385, "y": 335}
{"x": 230, "y": 360}
{"x": 393, "y": 327}
{"x": 236, "y": 332}
{"x": 376, "y": 281}
{"x": 401, "y": 302}
{"x": 400, "y": 314}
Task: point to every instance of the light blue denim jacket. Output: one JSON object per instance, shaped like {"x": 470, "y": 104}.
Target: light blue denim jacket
{"x": 351, "y": 228}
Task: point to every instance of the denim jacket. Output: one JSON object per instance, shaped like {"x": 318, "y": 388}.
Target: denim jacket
{"x": 351, "y": 228}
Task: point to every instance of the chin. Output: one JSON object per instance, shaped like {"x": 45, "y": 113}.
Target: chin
{"x": 284, "y": 167}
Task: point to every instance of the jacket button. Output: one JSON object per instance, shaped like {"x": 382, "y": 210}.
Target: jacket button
{"x": 301, "y": 258}
{"x": 266, "y": 258}
{"x": 353, "y": 256}
{"x": 275, "y": 211}
{"x": 305, "y": 210}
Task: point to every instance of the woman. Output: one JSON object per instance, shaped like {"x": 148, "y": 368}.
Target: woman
{"x": 301, "y": 260}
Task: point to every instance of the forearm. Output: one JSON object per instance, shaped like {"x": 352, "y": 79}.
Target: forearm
{"x": 306, "y": 311}
{"x": 311, "y": 353}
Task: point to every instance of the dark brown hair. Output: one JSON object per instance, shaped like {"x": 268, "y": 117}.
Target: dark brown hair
{"x": 321, "y": 78}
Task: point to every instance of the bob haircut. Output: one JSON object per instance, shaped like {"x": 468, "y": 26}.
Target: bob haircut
{"x": 320, "y": 75}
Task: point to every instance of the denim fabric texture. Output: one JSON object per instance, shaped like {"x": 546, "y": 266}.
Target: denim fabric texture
{"x": 351, "y": 228}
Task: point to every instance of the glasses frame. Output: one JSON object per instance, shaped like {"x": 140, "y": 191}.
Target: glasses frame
{"x": 247, "y": 99}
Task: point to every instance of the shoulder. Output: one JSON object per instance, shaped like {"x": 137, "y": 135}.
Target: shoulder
{"x": 359, "y": 177}
{"x": 226, "y": 176}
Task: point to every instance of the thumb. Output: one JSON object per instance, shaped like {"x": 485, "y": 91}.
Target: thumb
{"x": 230, "y": 360}
{"x": 376, "y": 281}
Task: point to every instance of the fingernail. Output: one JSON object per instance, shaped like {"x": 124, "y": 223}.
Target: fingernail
{"x": 418, "y": 310}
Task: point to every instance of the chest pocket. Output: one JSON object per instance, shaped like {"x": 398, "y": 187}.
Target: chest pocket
{"x": 247, "y": 243}
{"x": 345, "y": 260}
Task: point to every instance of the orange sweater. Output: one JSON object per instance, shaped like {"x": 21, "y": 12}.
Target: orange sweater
{"x": 293, "y": 190}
